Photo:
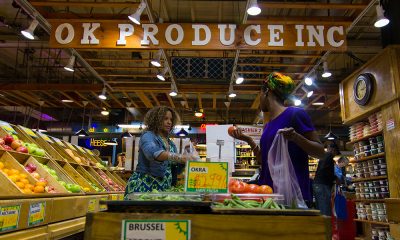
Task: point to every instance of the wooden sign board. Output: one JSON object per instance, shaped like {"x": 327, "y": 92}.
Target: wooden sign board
{"x": 209, "y": 177}
{"x": 124, "y": 34}
{"x": 156, "y": 229}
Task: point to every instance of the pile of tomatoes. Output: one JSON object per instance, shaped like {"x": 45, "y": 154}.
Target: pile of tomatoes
{"x": 237, "y": 186}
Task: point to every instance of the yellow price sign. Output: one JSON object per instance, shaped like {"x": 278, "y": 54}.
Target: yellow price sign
{"x": 103, "y": 207}
{"x": 45, "y": 137}
{"x": 36, "y": 213}
{"x": 9, "y": 216}
{"x": 92, "y": 205}
{"x": 156, "y": 229}
{"x": 7, "y": 127}
{"x": 28, "y": 131}
{"x": 207, "y": 177}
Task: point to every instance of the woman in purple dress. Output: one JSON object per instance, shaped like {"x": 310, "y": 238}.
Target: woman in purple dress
{"x": 293, "y": 123}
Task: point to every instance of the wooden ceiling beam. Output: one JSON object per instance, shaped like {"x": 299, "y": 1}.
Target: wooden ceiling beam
{"x": 314, "y": 100}
{"x": 301, "y": 19}
{"x": 171, "y": 102}
{"x": 330, "y": 101}
{"x": 144, "y": 99}
{"x": 129, "y": 75}
{"x": 30, "y": 99}
{"x": 7, "y": 100}
{"x": 274, "y": 64}
{"x": 214, "y": 101}
{"x": 80, "y": 4}
{"x": 185, "y": 99}
{"x": 199, "y": 100}
{"x": 116, "y": 100}
{"x": 253, "y": 55}
{"x": 155, "y": 98}
{"x": 20, "y": 99}
{"x": 130, "y": 99}
{"x": 51, "y": 86}
{"x": 86, "y": 99}
{"x": 56, "y": 100}
{"x": 116, "y": 60}
{"x": 312, "y": 5}
{"x": 125, "y": 68}
{"x": 256, "y": 102}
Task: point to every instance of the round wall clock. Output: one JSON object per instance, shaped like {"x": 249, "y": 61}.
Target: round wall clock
{"x": 362, "y": 88}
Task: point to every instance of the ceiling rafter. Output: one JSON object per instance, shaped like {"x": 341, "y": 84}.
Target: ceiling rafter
{"x": 171, "y": 102}
{"x": 72, "y": 99}
{"x": 95, "y": 95}
{"x": 152, "y": 94}
{"x": 80, "y": 4}
{"x": 256, "y": 102}
{"x": 199, "y": 100}
{"x": 116, "y": 100}
{"x": 130, "y": 99}
{"x": 301, "y": 19}
{"x": 144, "y": 99}
{"x": 311, "y": 5}
{"x": 86, "y": 99}
{"x": 214, "y": 101}
{"x": 330, "y": 101}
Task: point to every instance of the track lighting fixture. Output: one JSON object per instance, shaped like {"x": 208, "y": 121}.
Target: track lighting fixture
{"x": 136, "y": 16}
{"x": 239, "y": 79}
{"x": 161, "y": 74}
{"x": 173, "y": 92}
{"x": 103, "y": 95}
{"x": 253, "y": 9}
{"x": 28, "y": 33}
{"x": 297, "y": 102}
{"x": 308, "y": 81}
{"x": 231, "y": 93}
{"x": 381, "y": 20}
{"x": 326, "y": 72}
{"x": 156, "y": 60}
{"x": 70, "y": 66}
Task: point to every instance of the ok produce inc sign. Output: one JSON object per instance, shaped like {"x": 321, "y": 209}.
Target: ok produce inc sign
{"x": 117, "y": 34}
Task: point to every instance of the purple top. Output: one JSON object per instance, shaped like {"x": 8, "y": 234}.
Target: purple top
{"x": 298, "y": 119}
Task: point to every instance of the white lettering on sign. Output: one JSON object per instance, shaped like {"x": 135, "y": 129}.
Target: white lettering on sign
{"x": 125, "y": 30}
{"x": 222, "y": 29}
{"x": 149, "y": 34}
{"x": 274, "y": 35}
{"x": 199, "y": 169}
{"x": 197, "y": 41}
{"x": 88, "y": 32}
{"x": 202, "y": 36}
{"x": 70, "y": 33}
{"x": 168, "y": 34}
{"x": 247, "y": 35}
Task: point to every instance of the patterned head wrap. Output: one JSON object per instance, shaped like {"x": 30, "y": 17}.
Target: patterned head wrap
{"x": 281, "y": 85}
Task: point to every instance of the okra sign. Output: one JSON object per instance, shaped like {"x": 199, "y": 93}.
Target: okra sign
{"x": 117, "y": 34}
{"x": 207, "y": 177}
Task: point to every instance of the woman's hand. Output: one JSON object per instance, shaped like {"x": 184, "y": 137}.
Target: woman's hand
{"x": 238, "y": 134}
{"x": 289, "y": 133}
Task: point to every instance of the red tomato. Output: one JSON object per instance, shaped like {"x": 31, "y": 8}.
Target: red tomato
{"x": 238, "y": 187}
{"x": 264, "y": 189}
{"x": 230, "y": 130}
{"x": 252, "y": 188}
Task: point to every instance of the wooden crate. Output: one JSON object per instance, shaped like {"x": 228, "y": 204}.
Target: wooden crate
{"x": 115, "y": 174}
{"x": 71, "y": 149}
{"x": 82, "y": 170}
{"x": 113, "y": 178}
{"x": 10, "y": 162}
{"x": 27, "y": 138}
{"x": 47, "y": 144}
{"x": 61, "y": 151}
{"x": 76, "y": 176}
{"x": 102, "y": 181}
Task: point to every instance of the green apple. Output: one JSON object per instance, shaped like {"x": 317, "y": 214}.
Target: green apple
{"x": 40, "y": 152}
{"x": 64, "y": 184}
{"x": 31, "y": 149}
{"x": 15, "y": 137}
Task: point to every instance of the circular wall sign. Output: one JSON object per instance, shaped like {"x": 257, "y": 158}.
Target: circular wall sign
{"x": 363, "y": 88}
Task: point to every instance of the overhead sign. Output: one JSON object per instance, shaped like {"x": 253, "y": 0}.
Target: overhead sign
{"x": 124, "y": 34}
{"x": 207, "y": 177}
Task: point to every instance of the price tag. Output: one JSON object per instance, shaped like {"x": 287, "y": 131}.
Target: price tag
{"x": 155, "y": 229}
{"x": 45, "y": 137}
{"x": 36, "y": 213}
{"x": 58, "y": 141}
{"x": 7, "y": 127}
{"x": 9, "y": 216}
{"x": 28, "y": 131}
{"x": 103, "y": 207}
{"x": 92, "y": 205}
{"x": 121, "y": 197}
{"x": 114, "y": 197}
{"x": 207, "y": 177}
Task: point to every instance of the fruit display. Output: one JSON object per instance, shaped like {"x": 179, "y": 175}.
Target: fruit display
{"x": 236, "y": 202}
{"x": 78, "y": 159}
{"x": 164, "y": 196}
{"x": 12, "y": 142}
{"x": 95, "y": 187}
{"x": 110, "y": 182}
{"x": 236, "y": 186}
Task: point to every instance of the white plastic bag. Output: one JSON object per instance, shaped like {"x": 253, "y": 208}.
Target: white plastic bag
{"x": 283, "y": 174}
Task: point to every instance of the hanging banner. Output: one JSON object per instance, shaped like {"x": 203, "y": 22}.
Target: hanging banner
{"x": 124, "y": 34}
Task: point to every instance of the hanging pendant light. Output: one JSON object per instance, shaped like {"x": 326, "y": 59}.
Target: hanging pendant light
{"x": 182, "y": 133}
{"x": 381, "y": 20}
{"x": 82, "y": 132}
{"x": 253, "y": 9}
{"x": 330, "y": 136}
{"x": 70, "y": 66}
{"x": 156, "y": 60}
{"x": 326, "y": 72}
{"x": 126, "y": 134}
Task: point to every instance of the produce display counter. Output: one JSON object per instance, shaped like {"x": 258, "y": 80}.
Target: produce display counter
{"x": 235, "y": 225}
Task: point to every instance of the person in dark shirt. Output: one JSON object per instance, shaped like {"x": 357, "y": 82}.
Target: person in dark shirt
{"x": 324, "y": 180}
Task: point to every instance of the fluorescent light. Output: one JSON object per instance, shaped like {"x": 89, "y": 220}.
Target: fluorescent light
{"x": 381, "y": 20}
{"x": 326, "y": 72}
{"x": 103, "y": 96}
{"x": 136, "y": 16}
{"x": 308, "y": 81}
{"x": 134, "y": 126}
{"x": 253, "y": 9}
{"x": 67, "y": 101}
{"x": 70, "y": 66}
{"x": 310, "y": 93}
{"x": 28, "y": 33}
{"x": 317, "y": 104}
{"x": 297, "y": 102}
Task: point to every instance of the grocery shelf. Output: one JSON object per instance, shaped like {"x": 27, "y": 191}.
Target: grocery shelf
{"x": 366, "y": 137}
{"x": 369, "y": 200}
{"x": 372, "y": 222}
{"x": 369, "y": 179}
{"x": 368, "y": 158}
